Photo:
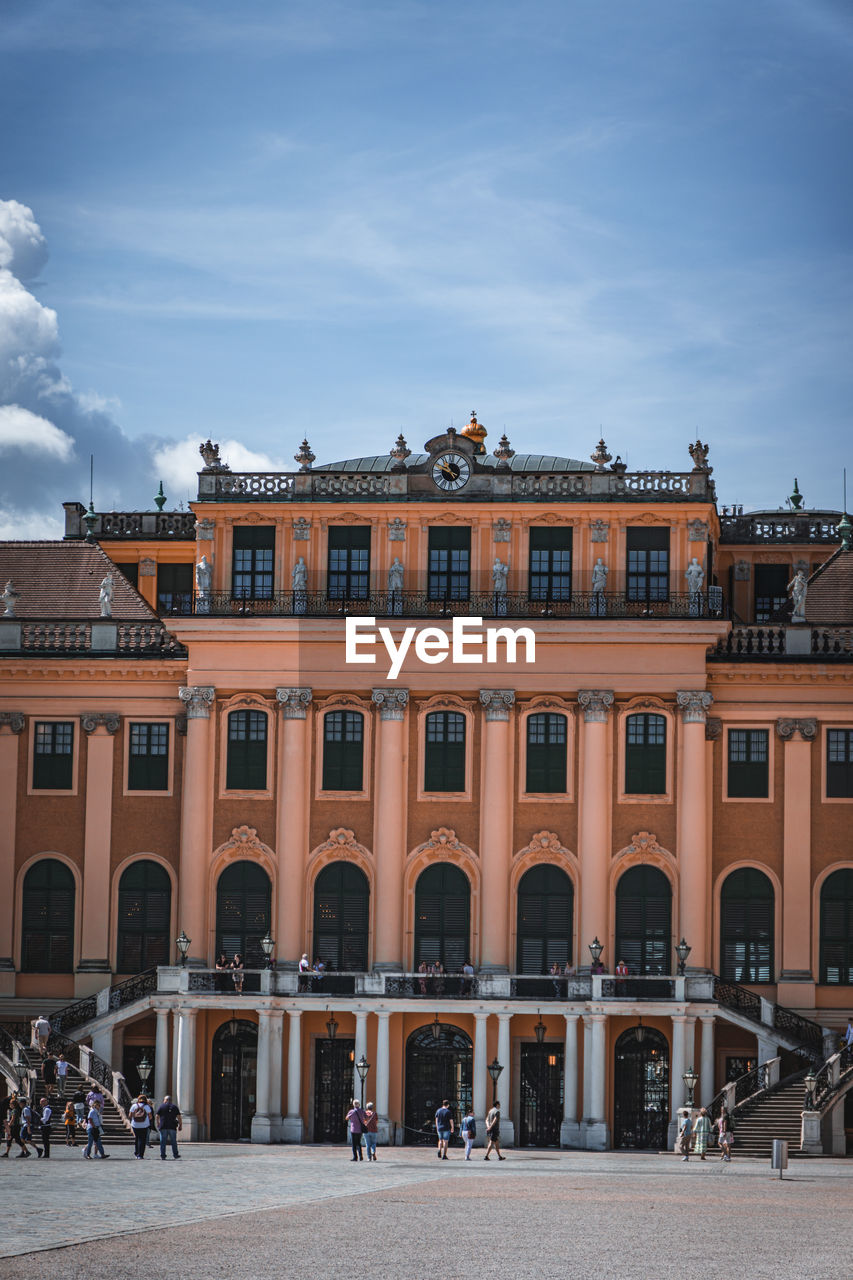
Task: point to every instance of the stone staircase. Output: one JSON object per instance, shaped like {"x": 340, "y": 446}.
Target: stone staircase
{"x": 774, "y": 1114}
{"x": 116, "y": 1131}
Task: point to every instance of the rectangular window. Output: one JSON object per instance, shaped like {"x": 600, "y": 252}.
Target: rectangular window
{"x": 53, "y": 756}
{"x": 131, "y": 572}
{"x": 247, "y": 751}
{"x": 647, "y": 564}
{"x": 174, "y": 588}
{"x": 546, "y": 753}
{"x": 148, "y": 763}
{"x": 551, "y": 564}
{"x": 343, "y": 751}
{"x": 252, "y": 567}
{"x": 839, "y": 763}
{"x": 645, "y": 755}
{"x": 349, "y": 562}
{"x": 444, "y": 752}
{"x": 449, "y": 564}
{"x": 771, "y": 590}
{"x": 749, "y": 776}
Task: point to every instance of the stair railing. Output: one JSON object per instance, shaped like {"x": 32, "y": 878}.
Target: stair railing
{"x": 90, "y": 1066}
{"x": 834, "y": 1072}
{"x": 810, "y": 1036}
{"x": 763, "y": 1078}
{"x": 107, "y": 1000}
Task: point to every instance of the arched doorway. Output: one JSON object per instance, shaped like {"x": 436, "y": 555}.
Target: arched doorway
{"x": 233, "y": 1081}
{"x": 437, "y": 1067}
{"x": 442, "y": 916}
{"x": 644, "y": 921}
{"x": 341, "y": 917}
{"x": 243, "y": 900}
{"x": 641, "y": 1089}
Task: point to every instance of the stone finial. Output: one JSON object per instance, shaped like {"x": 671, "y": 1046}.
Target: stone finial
{"x": 294, "y": 701}
{"x": 304, "y": 457}
{"x": 796, "y": 498}
{"x": 400, "y": 453}
{"x": 160, "y": 498}
{"x": 601, "y": 457}
{"x": 199, "y": 699}
{"x": 503, "y": 453}
{"x": 496, "y": 703}
{"x": 391, "y": 702}
{"x": 845, "y": 529}
{"x": 90, "y": 519}
{"x": 10, "y": 595}
{"x": 210, "y": 456}
{"x": 699, "y": 454}
{"x": 694, "y": 705}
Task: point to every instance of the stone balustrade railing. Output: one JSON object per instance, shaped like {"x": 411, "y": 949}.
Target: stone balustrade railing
{"x": 99, "y": 637}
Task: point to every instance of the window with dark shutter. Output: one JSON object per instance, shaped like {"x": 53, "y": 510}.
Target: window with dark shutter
{"x": 647, "y": 566}
{"x": 148, "y": 762}
{"x": 836, "y": 928}
{"x": 174, "y": 588}
{"x": 644, "y": 921}
{"x": 748, "y": 771}
{"x": 645, "y": 755}
{"x": 839, "y": 763}
{"x": 53, "y": 756}
{"x": 747, "y": 926}
{"x": 444, "y": 751}
{"x": 247, "y": 751}
{"x": 47, "y": 918}
{"x": 771, "y": 590}
{"x": 343, "y": 751}
{"x": 551, "y": 563}
{"x": 144, "y": 916}
{"x": 544, "y": 919}
{"x": 442, "y": 916}
{"x": 349, "y": 562}
{"x": 341, "y": 916}
{"x": 243, "y": 902}
{"x": 449, "y": 560}
{"x": 546, "y": 752}
{"x": 252, "y": 564}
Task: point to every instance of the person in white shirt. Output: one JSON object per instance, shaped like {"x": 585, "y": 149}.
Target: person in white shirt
{"x": 61, "y": 1074}
{"x": 42, "y": 1030}
{"x": 44, "y": 1125}
{"x": 95, "y": 1133}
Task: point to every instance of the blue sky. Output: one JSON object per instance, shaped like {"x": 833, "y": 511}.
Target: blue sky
{"x": 267, "y": 220}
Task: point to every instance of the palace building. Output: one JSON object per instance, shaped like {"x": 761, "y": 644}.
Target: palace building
{"x": 409, "y": 712}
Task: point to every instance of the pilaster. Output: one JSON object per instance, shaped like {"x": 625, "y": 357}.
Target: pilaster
{"x": 692, "y": 826}
{"x": 100, "y": 729}
{"x": 389, "y": 826}
{"x": 496, "y": 828}
{"x": 291, "y": 820}
{"x": 594, "y": 817}
{"x": 195, "y": 821}
{"x": 11, "y": 727}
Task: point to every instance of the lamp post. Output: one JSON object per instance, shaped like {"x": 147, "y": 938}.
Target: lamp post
{"x": 682, "y": 951}
{"x": 540, "y": 1029}
{"x": 362, "y": 1067}
{"x": 143, "y": 1070}
{"x": 690, "y": 1077}
{"x": 332, "y": 1025}
{"x": 595, "y": 950}
{"x": 267, "y": 946}
{"x": 183, "y": 943}
{"x": 495, "y": 1069}
{"x": 810, "y": 1082}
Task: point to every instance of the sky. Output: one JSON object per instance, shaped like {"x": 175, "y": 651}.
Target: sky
{"x": 258, "y": 220}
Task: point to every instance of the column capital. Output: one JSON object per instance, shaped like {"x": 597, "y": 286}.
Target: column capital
{"x": 694, "y": 704}
{"x": 391, "y": 702}
{"x": 595, "y": 704}
{"x": 294, "y": 1013}
{"x": 504, "y": 1017}
{"x": 90, "y": 720}
{"x": 497, "y": 702}
{"x": 14, "y": 719}
{"x": 294, "y": 701}
{"x": 199, "y": 699}
{"x": 787, "y": 729}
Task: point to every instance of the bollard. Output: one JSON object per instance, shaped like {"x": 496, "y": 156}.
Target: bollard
{"x": 779, "y": 1158}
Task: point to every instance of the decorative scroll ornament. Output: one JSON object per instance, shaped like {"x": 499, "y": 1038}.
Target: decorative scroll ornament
{"x": 14, "y": 719}
{"x": 199, "y": 699}
{"x": 397, "y": 530}
{"x": 391, "y": 702}
{"x": 301, "y": 529}
{"x": 501, "y": 530}
{"x": 497, "y": 702}
{"x": 713, "y": 728}
{"x": 442, "y": 838}
{"x": 544, "y": 842}
{"x": 90, "y": 720}
{"x": 595, "y": 704}
{"x": 245, "y": 840}
{"x": 204, "y": 530}
{"x": 694, "y": 705}
{"x": 644, "y": 842}
{"x": 339, "y": 839}
{"x": 599, "y": 530}
{"x": 786, "y": 728}
{"x": 294, "y": 701}
{"x": 697, "y": 531}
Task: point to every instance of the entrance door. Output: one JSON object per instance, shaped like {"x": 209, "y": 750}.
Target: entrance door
{"x": 641, "y": 1088}
{"x": 437, "y": 1067}
{"x": 333, "y": 1082}
{"x": 541, "y": 1095}
{"x": 235, "y": 1057}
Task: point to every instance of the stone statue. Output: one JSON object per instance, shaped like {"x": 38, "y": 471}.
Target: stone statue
{"x": 10, "y": 595}
{"x": 798, "y": 587}
{"x": 500, "y": 573}
{"x": 599, "y": 577}
{"x": 203, "y": 577}
{"x": 695, "y": 575}
{"x": 395, "y": 576}
{"x": 299, "y": 577}
{"x": 105, "y": 596}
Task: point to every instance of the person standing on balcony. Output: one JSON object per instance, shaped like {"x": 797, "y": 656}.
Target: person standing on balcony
{"x": 238, "y": 975}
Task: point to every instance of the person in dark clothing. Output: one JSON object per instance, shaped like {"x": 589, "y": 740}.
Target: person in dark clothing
{"x": 48, "y": 1073}
{"x": 44, "y": 1126}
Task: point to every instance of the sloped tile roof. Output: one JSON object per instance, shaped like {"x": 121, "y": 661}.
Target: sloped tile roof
{"x": 58, "y": 580}
{"x": 829, "y": 600}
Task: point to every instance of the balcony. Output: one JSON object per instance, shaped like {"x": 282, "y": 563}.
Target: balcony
{"x": 819, "y": 528}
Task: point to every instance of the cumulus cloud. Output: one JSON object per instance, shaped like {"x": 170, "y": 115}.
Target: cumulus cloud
{"x": 23, "y": 248}
{"x": 20, "y": 429}
{"x": 177, "y": 464}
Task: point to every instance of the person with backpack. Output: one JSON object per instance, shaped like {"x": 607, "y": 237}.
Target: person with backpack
{"x": 468, "y": 1130}
{"x": 140, "y": 1123}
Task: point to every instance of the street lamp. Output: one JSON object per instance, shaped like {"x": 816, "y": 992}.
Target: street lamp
{"x": 682, "y": 951}
{"x": 143, "y": 1070}
{"x": 810, "y": 1082}
{"x": 540, "y": 1029}
{"x": 267, "y": 946}
{"x": 362, "y": 1067}
{"x": 495, "y": 1069}
{"x": 436, "y": 1028}
{"x": 595, "y": 950}
{"x": 690, "y": 1077}
{"x": 332, "y": 1025}
{"x": 183, "y": 943}
{"x": 639, "y": 1031}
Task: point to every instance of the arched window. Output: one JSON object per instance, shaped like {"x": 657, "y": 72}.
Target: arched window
{"x": 341, "y": 917}
{"x": 47, "y": 918}
{"x": 645, "y": 755}
{"x": 546, "y": 752}
{"x": 836, "y": 928}
{"x": 247, "y": 751}
{"x": 144, "y": 912}
{"x": 746, "y": 926}
{"x": 243, "y": 902}
{"x": 442, "y": 916}
{"x": 544, "y": 929}
{"x": 644, "y": 921}
{"x": 444, "y": 751}
{"x": 343, "y": 751}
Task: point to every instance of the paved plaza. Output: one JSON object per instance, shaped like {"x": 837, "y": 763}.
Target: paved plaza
{"x": 241, "y": 1211}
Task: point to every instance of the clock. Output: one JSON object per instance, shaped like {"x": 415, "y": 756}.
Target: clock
{"x": 451, "y": 471}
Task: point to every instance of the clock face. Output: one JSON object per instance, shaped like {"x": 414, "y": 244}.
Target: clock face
{"x": 451, "y": 471}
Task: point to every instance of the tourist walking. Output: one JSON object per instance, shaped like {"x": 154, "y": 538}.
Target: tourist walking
{"x": 493, "y": 1132}
{"x": 140, "y": 1123}
{"x": 701, "y": 1133}
{"x": 355, "y": 1120}
{"x": 371, "y": 1130}
{"x": 41, "y": 1027}
{"x": 44, "y": 1126}
{"x": 95, "y": 1133}
{"x": 48, "y": 1073}
{"x": 13, "y": 1127}
{"x": 61, "y": 1074}
{"x": 685, "y": 1129}
{"x": 79, "y": 1100}
{"x": 27, "y": 1126}
{"x": 723, "y": 1125}
{"x": 444, "y": 1128}
{"x": 169, "y": 1121}
{"x": 94, "y": 1096}
{"x": 69, "y": 1120}
{"x": 468, "y": 1129}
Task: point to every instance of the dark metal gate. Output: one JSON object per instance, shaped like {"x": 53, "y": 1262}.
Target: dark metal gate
{"x": 437, "y": 1067}
{"x": 641, "y": 1090}
{"x": 333, "y": 1084}
{"x": 235, "y": 1058}
{"x": 541, "y": 1095}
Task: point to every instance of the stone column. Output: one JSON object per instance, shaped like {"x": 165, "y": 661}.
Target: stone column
{"x": 185, "y": 1072}
{"x": 383, "y": 1075}
{"x": 594, "y": 821}
{"x": 360, "y": 1048}
{"x": 505, "y": 1082}
{"x": 481, "y": 1095}
{"x": 587, "y": 1068}
{"x": 261, "y": 1118}
{"x": 692, "y": 829}
{"x": 100, "y": 728}
{"x": 11, "y": 726}
{"x": 676, "y": 1084}
{"x": 597, "y": 1133}
{"x": 291, "y": 822}
{"x": 570, "y": 1129}
{"x": 274, "y": 1106}
{"x": 796, "y": 980}
{"x": 706, "y": 1068}
{"x": 195, "y": 815}
{"x": 161, "y": 1056}
{"x": 389, "y": 827}
{"x": 495, "y": 831}
{"x": 292, "y": 1128}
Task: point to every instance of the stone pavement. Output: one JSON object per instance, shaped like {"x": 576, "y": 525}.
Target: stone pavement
{"x": 243, "y": 1211}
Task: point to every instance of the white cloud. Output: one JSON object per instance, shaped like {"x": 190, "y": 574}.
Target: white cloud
{"x": 20, "y": 429}
{"x": 23, "y": 249}
{"x": 28, "y": 523}
{"x": 177, "y": 465}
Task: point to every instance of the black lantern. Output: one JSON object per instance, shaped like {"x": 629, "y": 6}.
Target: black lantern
{"x": 436, "y": 1028}
{"x": 809, "y": 1082}
{"x": 332, "y": 1025}
{"x": 183, "y": 943}
{"x": 540, "y": 1029}
{"x": 267, "y": 946}
{"x": 362, "y": 1067}
{"x": 690, "y": 1077}
{"x": 639, "y": 1031}
{"x": 682, "y": 951}
{"x": 595, "y": 950}
{"x": 143, "y": 1070}
{"x": 495, "y": 1069}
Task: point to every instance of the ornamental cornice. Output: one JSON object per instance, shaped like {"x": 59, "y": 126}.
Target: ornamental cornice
{"x": 644, "y": 842}
{"x": 91, "y": 720}
{"x": 443, "y": 839}
{"x": 294, "y": 701}
{"x": 341, "y": 840}
{"x": 392, "y": 703}
{"x": 543, "y": 842}
{"x": 199, "y": 699}
{"x": 14, "y": 720}
{"x": 694, "y": 704}
{"x": 787, "y": 728}
{"x": 497, "y": 703}
{"x": 244, "y": 839}
{"x": 595, "y": 704}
